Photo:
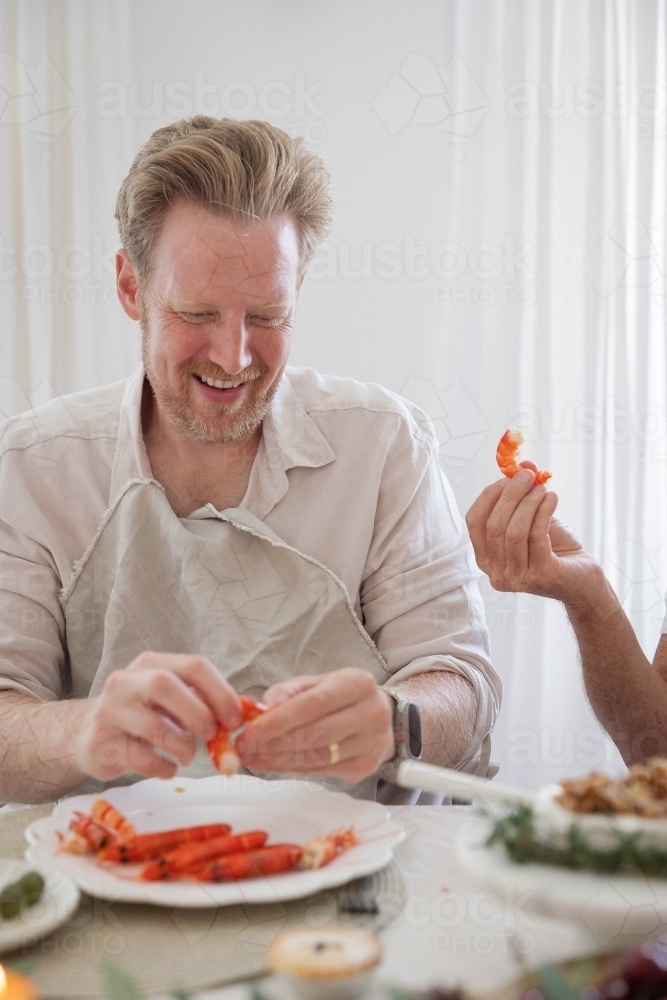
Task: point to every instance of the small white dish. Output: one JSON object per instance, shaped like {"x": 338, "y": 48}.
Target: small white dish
{"x": 291, "y": 811}
{"x": 57, "y": 903}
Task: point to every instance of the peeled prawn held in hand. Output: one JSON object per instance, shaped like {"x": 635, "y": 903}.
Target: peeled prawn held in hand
{"x": 507, "y": 453}
{"x": 221, "y": 746}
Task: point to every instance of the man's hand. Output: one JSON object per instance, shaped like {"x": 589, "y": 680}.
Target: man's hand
{"x": 522, "y": 547}
{"x": 309, "y": 714}
{"x": 156, "y": 706}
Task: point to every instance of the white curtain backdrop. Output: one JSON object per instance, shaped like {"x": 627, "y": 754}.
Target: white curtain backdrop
{"x": 499, "y": 252}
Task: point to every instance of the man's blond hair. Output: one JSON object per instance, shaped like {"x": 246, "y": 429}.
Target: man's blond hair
{"x": 241, "y": 169}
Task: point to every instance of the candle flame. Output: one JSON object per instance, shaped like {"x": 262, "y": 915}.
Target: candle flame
{"x": 3, "y": 980}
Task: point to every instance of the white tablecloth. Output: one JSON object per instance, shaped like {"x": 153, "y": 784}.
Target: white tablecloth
{"x": 452, "y": 931}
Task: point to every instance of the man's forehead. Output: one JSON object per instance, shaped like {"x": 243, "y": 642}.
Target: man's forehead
{"x": 205, "y": 255}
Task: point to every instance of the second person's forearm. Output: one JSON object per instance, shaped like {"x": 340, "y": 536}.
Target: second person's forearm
{"x": 627, "y": 694}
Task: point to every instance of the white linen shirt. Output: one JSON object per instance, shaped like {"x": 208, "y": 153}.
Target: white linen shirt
{"x": 345, "y": 472}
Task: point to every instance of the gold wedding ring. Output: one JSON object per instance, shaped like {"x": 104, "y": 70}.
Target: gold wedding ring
{"x": 334, "y": 753}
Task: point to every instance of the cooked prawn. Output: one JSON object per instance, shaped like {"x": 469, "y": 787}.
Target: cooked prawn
{"x": 148, "y": 846}
{"x": 221, "y": 746}
{"x": 188, "y": 856}
{"x": 109, "y": 815}
{"x": 88, "y": 834}
{"x": 249, "y": 864}
{"x": 323, "y": 849}
{"x": 507, "y": 453}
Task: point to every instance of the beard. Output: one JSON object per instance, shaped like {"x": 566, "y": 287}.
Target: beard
{"x": 205, "y": 421}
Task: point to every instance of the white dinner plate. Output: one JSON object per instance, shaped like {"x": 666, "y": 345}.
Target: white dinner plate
{"x": 290, "y": 811}
{"x": 58, "y": 901}
{"x": 623, "y": 903}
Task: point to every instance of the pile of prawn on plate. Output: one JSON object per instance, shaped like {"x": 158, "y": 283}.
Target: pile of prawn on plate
{"x": 210, "y": 853}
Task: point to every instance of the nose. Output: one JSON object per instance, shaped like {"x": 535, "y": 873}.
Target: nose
{"x": 230, "y": 345}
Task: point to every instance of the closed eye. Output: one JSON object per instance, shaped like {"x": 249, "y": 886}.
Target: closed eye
{"x": 268, "y": 320}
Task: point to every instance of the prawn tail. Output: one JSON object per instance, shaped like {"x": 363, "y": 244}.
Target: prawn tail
{"x": 321, "y": 850}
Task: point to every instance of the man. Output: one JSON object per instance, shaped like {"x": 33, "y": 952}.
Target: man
{"x": 217, "y": 525}
{"x": 522, "y": 547}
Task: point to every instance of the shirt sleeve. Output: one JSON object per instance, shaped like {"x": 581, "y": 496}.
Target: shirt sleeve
{"x": 419, "y": 596}
{"x": 32, "y": 658}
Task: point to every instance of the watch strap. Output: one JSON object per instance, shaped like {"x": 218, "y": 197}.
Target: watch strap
{"x": 407, "y": 735}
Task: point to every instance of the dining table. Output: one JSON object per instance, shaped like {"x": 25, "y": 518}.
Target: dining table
{"x": 445, "y": 927}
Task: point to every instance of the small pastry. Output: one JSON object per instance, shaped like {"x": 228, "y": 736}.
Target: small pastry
{"x": 330, "y": 961}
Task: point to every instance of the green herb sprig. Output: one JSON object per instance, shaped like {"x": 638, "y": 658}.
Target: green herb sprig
{"x": 516, "y": 831}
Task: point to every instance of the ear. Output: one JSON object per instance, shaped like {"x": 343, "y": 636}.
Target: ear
{"x": 127, "y": 285}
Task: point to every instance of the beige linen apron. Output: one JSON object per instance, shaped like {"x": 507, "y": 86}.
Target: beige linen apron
{"x": 219, "y": 584}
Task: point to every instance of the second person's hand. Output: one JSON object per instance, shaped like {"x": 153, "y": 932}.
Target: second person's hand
{"x": 522, "y": 547}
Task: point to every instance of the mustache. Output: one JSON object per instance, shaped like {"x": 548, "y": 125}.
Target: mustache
{"x": 207, "y": 370}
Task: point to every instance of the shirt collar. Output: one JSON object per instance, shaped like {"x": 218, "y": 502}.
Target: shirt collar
{"x": 131, "y": 458}
{"x": 296, "y": 436}
{"x": 290, "y": 439}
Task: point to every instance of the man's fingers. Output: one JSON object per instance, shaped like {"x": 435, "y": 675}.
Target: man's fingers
{"x": 278, "y": 693}
{"x": 353, "y": 753}
{"x": 170, "y": 693}
{"x": 563, "y": 539}
{"x": 333, "y": 692}
{"x": 152, "y": 711}
{"x": 308, "y": 742}
{"x": 127, "y": 690}
{"x": 142, "y": 759}
{"x": 478, "y": 515}
{"x": 540, "y": 551}
{"x": 201, "y": 675}
{"x": 158, "y": 732}
{"x": 517, "y": 534}
{"x": 496, "y": 527}
{"x": 205, "y": 677}
{"x": 114, "y": 753}
{"x": 285, "y": 755}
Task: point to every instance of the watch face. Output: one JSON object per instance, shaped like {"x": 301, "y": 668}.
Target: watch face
{"x": 414, "y": 731}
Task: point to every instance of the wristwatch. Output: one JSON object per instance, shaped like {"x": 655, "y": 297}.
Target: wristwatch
{"x": 407, "y": 725}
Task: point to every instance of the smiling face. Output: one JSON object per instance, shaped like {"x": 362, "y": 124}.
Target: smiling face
{"x": 216, "y": 318}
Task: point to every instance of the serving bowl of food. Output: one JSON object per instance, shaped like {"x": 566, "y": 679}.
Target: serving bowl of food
{"x": 605, "y": 869}
{"x": 605, "y": 808}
